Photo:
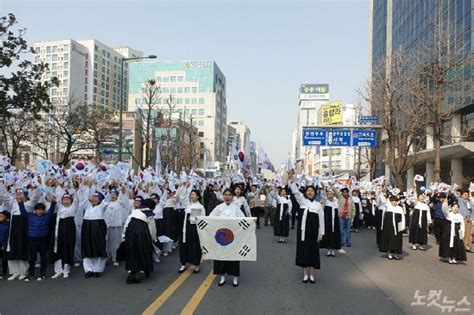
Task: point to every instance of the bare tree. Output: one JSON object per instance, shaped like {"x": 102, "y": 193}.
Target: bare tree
{"x": 14, "y": 132}
{"x": 148, "y": 113}
{"x": 102, "y": 128}
{"x": 438, "y": 81}
{"x": 389, "y": 93}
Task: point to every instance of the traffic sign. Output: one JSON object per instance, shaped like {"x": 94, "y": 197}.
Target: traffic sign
{"x": 339, "y": 138}
{"x": 314, "y": 137}
{"x": 368, "y": 120}
{"x": 364, "y": 138}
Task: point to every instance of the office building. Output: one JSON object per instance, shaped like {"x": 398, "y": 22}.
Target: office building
{"x": 198, "y": 91}
{"x": 89, "y": 71}
{"x": 403, "y": 24}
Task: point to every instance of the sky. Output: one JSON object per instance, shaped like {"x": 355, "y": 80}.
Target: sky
{"x": 265, "y": 48}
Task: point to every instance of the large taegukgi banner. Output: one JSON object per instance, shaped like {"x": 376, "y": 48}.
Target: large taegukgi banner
{"x": 230, "y": 239}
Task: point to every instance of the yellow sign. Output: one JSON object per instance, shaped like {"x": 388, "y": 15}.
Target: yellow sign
{"x": 331, "y": 113}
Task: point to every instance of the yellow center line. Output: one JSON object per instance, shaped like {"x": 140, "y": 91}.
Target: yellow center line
{"x": 198, "y": 295}
{"x": 167, "y": 293}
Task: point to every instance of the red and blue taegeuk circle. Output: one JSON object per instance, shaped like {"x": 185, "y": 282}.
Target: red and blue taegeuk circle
{"x": 224, "y": 236}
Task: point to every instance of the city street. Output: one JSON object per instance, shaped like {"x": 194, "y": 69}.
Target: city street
{"x": 357, "y": 282}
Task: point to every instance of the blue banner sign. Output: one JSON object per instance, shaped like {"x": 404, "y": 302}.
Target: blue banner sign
{"x": 368, "y": 120}
{"x": 314, "y": 137}
{"x": 364, "y": 138}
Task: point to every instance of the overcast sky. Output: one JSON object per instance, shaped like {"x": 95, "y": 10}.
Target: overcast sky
{"x": 266, "y": 49}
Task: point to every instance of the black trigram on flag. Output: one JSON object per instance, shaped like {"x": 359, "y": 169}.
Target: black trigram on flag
{"x": 244, "y": 224}
{"x": 204, "y": 250}
{"x": 202, "y": 224}
{"x": 244, "y": 251}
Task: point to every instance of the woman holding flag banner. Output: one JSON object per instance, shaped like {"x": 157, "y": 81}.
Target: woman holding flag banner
{"x": 230, "y": 210}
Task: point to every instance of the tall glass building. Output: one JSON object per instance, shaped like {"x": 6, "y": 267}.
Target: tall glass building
{"x": 403, "y": 24}
{"x": 198, "y": 90}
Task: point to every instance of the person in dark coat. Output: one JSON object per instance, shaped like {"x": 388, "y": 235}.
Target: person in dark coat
{"x": 281, "y": 220}
{"x": 189, "y": 245}
{"x": 332, "y": 236}
{"x": 4, "y": 228}
{"x": 310, "y": 230}
{"x": 393, "y": 225}
{"x": 451, "y": 244}
{"x": 139, "y": 241}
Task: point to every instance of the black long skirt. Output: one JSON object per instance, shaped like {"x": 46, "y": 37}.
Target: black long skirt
{"x": 331, "y": 239}
{"x": 168, "y": 222}
{"x": 18, "y": 238}
{"x": 138, "y": 247}
{"x": 190, "y": 252}
{"x": 66, "y": 241}
{"x": 307, "y": 251}
{"x": 178, "y": 225}
{"x": 227, "y": 267}
{"x": 388, "y": 240}
{"x": 378, "y": 224}
{"x": 281, "y": 227}
{"x": 419, "y": 235}
{"x": 457, "y": 251}
{"x": 93, "y": 244}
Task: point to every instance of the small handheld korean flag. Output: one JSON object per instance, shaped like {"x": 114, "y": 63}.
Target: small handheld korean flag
{"x": 230, "y": 239}
{"x": 419, "y": 178}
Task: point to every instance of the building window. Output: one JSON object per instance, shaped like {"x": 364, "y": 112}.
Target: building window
{"x": 65, "y": 82}
{"x": 55, "y": 49}
{"x": 194, "y": 112}
{"x": 173, "y": 78}
{"x": 166, "y": 79}
{"x": 202, "y": 145}
{"x": 201, "y": 156}
{"x": 194, "y": 101}
{"x": 165, "y": 90}
{"x": 201, "y": 134}
{"x": 201, "y": 101}
{"x": 66, "y": 56}
{"x": 180, "y": 90}
{"x": 180, "y": 79}
{"x": 187, "y": 101}
{"x": 54, "y": 57}
{"x": 187, "y": 90}
{"x": 195, "y": 89}
{"x": 37, "y": 59}
{"x": 201, "y": 112}
{"x": 159, "y": 79}
{"x": 201, "y": 123}
{"x": 172, "y": 90}
{"x": 180, "y": 101}
{"x": 48, "y": 49}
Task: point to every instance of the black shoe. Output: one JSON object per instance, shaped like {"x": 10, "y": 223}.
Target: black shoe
{"x": 312, "y": 281}
{"x": 292, "y": 227}
{"x": 221, "y": 283}
{"x": 96, "y": 274}
{"x": 258, "y": 226}
{"x": 132, "y": 280}
{"x": 349, "y": 245}
{"x": 305, "y": 281}
{"x": 89, "y": 274}
{"x": 235, "y": 285}
{"x": 147, "y": 275}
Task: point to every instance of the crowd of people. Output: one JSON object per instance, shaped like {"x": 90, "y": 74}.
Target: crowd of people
{"x": 94, "y": 215}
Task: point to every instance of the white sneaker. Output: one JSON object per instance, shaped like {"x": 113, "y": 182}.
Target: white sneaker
{"x": 56, "y": 275}
{"x": 77, "y": 264}
{"x": 342, "y": 251}
{"x": 37, "y": 265}
{"x": 22, "y": 277}
{"x": 165, "y": 254}
{"x": 455, "y": 261}
{"x": 13, "y": 277}
{"x": 65, "y": 275}
{"x": 116, "y": 264}
{"x": 157, "y": 260}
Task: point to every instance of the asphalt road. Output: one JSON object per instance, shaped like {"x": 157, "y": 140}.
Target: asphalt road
{"x": 358, "y": 282}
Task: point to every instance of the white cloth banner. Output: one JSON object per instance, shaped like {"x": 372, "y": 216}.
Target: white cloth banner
{"x": 228, "y": 239}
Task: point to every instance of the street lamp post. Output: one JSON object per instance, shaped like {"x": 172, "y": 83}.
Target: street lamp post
{"x": 121, "y": 100}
